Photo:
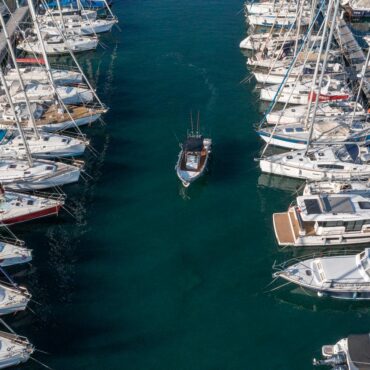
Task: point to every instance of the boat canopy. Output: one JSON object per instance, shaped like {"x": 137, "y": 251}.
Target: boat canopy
{"x": 359, "y": 351}
{"x": 194, "y": 144}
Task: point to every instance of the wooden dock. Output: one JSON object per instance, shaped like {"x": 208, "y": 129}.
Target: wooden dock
{"x": 20, "y": 15}
{"x": 352, "y": 51}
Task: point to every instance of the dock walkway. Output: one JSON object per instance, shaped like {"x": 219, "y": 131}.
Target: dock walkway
{"x": 19, "y": 16}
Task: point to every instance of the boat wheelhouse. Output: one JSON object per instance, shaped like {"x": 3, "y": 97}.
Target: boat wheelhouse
{"x": 340, "y": 276}
{"x": 193, "y": 158}
{"x": 324, "y": 220}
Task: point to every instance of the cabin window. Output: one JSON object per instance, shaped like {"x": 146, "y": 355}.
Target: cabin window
{"x": 289, "y": 129}
{"x": 362, "y": 254}
{"x": 299, "y": 129}
{"x": 333, "y": 223}
{"x": 321, "y": 154}
{"x": 331, "y": 166}
{"x": 354, "y": 225}
{"x": 30, "y": 202}
{"x": 46, "y": 138}
{"x": 364, "y": 205}
{"x": 289, "y": 157}
{"x": 49, "y": 168}
{"x": 13, "y": 166}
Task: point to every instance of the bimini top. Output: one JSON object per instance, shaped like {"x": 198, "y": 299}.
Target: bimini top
{"x": 194, "y": 144}
{"x": 326, "y": 207}
{"x": 359, "y": 351}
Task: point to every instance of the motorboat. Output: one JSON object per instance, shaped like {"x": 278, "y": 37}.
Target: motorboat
{"x": 350, "y": 353}
{"x": 321, "y": 163}
{"x": 325, "y": 220}
{"x": 193, "y": 158}
{"x": 336, "y": 276}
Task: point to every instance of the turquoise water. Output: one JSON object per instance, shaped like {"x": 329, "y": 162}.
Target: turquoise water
{"x": 147, "y": 276}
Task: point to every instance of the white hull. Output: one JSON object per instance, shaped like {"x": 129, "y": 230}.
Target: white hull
{"x": 268, "y": 166}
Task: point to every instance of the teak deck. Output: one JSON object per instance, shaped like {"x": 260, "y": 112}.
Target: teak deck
{"x": 287, "y": 227}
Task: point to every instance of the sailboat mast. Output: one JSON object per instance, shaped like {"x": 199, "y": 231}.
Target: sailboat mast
{"x": 299, "y": 16}
{"x": 316, "y": 72}
{"x": 363, "y": 72}
{"x": 19, "y": 126}
{"x": 328, "y": 46}
{"x": 12, "y": 54}
{"x": 61, "y": 16}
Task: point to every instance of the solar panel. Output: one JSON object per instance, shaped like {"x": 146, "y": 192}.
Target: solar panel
{"x": 338, "y": 204}
{"x": 312, "y": 206}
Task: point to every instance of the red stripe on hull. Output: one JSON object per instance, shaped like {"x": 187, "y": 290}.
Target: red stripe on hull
{"x": 32, "y": 216}
{"x": 324, "y": 98}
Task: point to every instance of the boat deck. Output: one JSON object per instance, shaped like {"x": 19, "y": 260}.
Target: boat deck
{"x": 203, "y": 157}
{"x": 287, "y": 228}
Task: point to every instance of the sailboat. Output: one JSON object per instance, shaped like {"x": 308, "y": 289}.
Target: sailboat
{"x": 14, "y": 349}
{"x": 12, "y": 300}
{"x": 193, "y": 157}
{"x": 13, "y": 253}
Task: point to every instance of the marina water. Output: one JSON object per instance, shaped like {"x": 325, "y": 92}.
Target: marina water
{"x": 147, "y": 275}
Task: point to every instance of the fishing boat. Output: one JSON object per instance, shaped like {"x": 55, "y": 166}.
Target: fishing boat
{"x": 336, "y": 276}
{"x": 329, "y": 110}
{"x": 55, "y": 45}
{"x": 39, "y": 74}
{"x": 12, "y": 299}
{"x": 350, "y": 353}
{"x": 13, "y": 253}
{"x": 321, "y": 163}
{"x": 14, "y": 349}
{"x": 193, "y": 157}
{"x": 325, "y": 220}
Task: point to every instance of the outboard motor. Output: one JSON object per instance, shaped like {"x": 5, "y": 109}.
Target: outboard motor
{"x": 338, "y": 359}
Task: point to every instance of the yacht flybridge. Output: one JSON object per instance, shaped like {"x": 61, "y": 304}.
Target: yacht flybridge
{"x": 336, "y": 276}
{"x": 325, "y": 220}
{"x": 350, "y": 353}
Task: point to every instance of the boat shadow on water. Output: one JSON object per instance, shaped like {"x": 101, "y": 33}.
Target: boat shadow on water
{"x": 304, "y": 299}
